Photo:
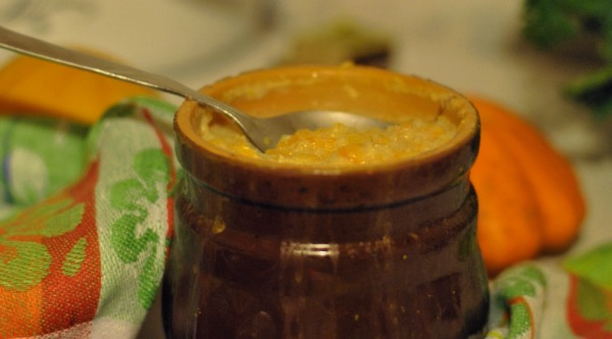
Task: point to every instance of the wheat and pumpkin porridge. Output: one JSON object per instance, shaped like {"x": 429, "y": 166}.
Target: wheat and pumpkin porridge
{"x": 338, "y": 145}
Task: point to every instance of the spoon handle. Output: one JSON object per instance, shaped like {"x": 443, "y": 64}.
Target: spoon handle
{"x": 43, "y": 50}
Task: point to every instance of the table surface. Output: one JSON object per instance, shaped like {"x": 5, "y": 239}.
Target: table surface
{"x": 473, "y": 46}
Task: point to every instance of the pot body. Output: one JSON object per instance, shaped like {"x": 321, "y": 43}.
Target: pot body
{"x": 249, "y": 261}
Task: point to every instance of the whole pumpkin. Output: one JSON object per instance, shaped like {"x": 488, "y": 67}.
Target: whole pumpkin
{"x": 34, "y": 86}
{"x": 529, "y": 198}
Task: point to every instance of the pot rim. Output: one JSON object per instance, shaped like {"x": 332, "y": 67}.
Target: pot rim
{"x": 467, "y": 130}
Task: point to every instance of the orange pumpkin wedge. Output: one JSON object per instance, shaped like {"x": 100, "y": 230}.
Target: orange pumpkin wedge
{"x": 532, "y": 179}
{"x": 508, "y": 215}
{"x": 40, "y": 87}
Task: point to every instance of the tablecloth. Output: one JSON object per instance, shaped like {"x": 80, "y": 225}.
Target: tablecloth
{"x": 86, "y": 226}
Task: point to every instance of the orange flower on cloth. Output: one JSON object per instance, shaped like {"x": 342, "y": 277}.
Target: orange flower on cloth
{"x": 48, "y": 252}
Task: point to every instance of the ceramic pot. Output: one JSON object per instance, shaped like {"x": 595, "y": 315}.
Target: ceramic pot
{"x": 388, "y": 250}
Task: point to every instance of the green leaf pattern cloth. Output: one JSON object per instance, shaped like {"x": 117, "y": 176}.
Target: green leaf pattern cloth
{"x": 85, "y": 221}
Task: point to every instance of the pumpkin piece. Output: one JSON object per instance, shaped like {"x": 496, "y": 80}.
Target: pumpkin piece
{"x": 508, "y": 215}
{"x": 40, "y": 87}
{"x": 555, "y": 187}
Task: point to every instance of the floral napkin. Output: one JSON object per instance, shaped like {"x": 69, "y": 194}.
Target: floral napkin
{"x": 85, "y": 262}
{"x": 551, "y": 299}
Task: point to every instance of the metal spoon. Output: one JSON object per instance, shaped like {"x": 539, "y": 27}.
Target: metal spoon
{"x": 264, "y": 133}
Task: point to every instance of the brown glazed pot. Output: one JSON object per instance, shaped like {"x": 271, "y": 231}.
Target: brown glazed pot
{"x": 264, "y": 250}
